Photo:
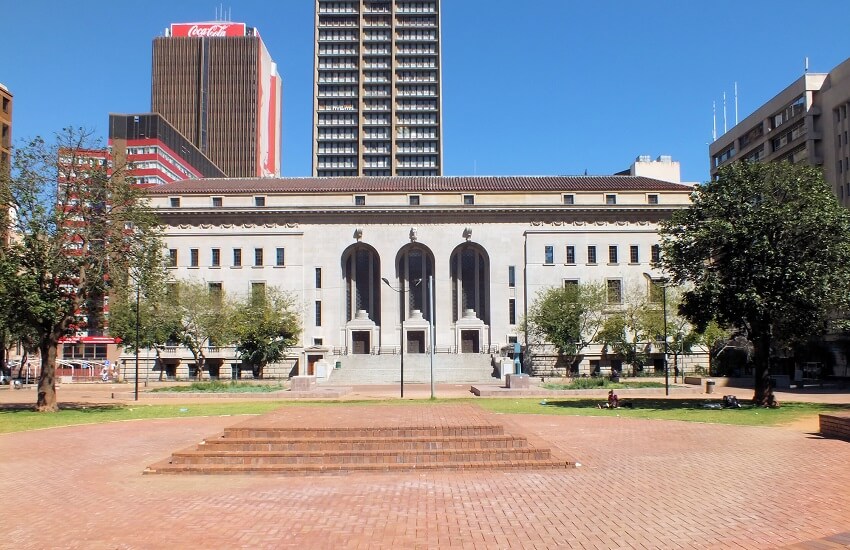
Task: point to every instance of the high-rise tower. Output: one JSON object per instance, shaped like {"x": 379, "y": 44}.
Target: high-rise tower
{"x": 217, "y": 85}
{"x": 377, "y": 104}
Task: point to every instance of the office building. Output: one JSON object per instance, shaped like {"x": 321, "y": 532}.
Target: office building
{"x": 154, "y": 152}
{"x": 806, "y": 122}
{"x": 377, "y": 101}
{"x": 489, "y": 244}
{"x": 217, "y": 85}
{"x": 5, "y": 127}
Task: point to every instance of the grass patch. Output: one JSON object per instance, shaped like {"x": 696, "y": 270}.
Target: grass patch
{"x": 216, "y": 386}
{"x": 601, "y": 384}
{"x": 689, "y": 410}
{"x": 20, "y": 418}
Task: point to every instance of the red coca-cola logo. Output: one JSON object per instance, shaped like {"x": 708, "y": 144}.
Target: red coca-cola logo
{"x": 207, "y": 30}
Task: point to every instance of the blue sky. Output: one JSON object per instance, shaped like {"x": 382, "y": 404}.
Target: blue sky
{"x": 536, "y": 87}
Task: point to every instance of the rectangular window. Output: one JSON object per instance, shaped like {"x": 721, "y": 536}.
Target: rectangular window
{"x": 318, "y": 313}
{"x": 193, "y": 257}
{"x": 280, "y": 257}
{"x": 591, "y": 254}
{"x": 215, "y": 260}
{"x": 610, "y": 199}
{"x": 512, "y": 276}
{"x": 259, "y": 201}
{"x": 512, "y": 311}
{"x": 215, "y": 292}
{"x": 469, "y": 199}
{"x": 612, "y": 254}
{"x": 550, "y": 254}
{"x": 172, "y": 257}
{"x": 652, "y": 199}
{"x": 615, "y": 291}
{"x": 359, "y": 200}
{"x": 656, "y": 253}
{"x": 175, "y": 202}
{"x": 656, "y": 292}
{"x": 258, "y": 292}
{"x": 571, "y": 254}
{"x": 569, "y": 199}
{"x": 413, "y": 200}
{"x": 570, "y": 283}
{"x": 237, "y": 257}
{"x": 258, "y": 257}
{"x": 634, "y": 254}
{"x": 318, "y": 341}
{"x": 217, "y": 202}
{"x": 318, "y": 277}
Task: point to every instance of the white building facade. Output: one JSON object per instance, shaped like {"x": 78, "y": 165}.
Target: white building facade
{"x": 489, "y": 244}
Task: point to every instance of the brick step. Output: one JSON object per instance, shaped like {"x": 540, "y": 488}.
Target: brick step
{"x": 329, "y": 433}
{"x": 444, "y": 456}
{"x": 365, "y": 443}
{"x": 301, "y": 469}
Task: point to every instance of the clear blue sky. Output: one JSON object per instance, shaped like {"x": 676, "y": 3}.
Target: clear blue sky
{"x": 540, "y": 87}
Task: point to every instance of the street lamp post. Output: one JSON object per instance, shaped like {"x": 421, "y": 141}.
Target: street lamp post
{"x": 662, "y": 282}
{"x": 402, "y": 292}
{"x": 431, "y": 329}
{"x": 136, "y": 392}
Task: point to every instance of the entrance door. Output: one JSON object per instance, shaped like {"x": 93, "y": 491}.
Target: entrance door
{"x": 311, "y": 364}
{"x": 469, "y": 341}
{"x": 360, "y": 341}
{"x": 416, "y": 341}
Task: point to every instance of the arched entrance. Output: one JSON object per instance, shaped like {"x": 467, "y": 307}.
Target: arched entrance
{"x": 361, "y": 267}
{"x": 414, "y": 266}
{"x": 470, "y": 275}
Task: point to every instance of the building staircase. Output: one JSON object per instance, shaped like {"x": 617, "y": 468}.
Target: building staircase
{"x": 386, "y": 369}
{"x": 284, "y": 450}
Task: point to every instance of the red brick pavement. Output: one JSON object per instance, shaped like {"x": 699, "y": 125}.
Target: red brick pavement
{"x": 643, "y": 484}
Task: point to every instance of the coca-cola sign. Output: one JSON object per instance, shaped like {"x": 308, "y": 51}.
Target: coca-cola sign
{"x": 207, "y": 30}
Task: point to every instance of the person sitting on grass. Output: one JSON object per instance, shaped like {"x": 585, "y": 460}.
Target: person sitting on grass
{"x": 613, "y": 401}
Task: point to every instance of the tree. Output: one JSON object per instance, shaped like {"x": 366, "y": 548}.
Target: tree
{"x": 567, "y": 317}
{"x": 766, "y": 249}
{"x": 76, "y": 222}
{"x": 204, "y": 318}
{"x": 158, "y": 319}
{"x": 628, "y": 330}
{"x": 266, "y": 325}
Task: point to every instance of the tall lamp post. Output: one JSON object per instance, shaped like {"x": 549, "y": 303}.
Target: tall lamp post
{"x": 136, "y": 392}
{"x": 432, "y": 332}
{"x": 662, "y": 282}
{"x": 402, "y": 292}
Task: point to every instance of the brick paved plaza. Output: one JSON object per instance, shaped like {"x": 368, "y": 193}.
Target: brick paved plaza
{"x": 642, "y": 484}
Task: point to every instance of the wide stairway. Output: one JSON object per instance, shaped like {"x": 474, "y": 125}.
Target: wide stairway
{"x": 401, "y": 438}
{"x": 386, "y": 369}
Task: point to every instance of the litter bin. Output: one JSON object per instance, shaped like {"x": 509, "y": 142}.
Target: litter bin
{"x": 709, "y": 386}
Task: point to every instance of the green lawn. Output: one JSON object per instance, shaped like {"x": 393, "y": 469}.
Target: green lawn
{"x": 691, "y": 410}
{"x": 14, "y": 418}
{"x": 601, "y": 384}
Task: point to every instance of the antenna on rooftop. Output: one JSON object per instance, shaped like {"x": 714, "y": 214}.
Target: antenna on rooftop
{"x": 714, "y": 121}
{"x": 724, "y": 112}
{"x": 806, "y": 67}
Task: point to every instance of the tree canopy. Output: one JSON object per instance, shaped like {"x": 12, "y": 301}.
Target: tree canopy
{"x": 266, "y": 325}
{"x": 76, "y": 224}
{"x": 764, "y": 248}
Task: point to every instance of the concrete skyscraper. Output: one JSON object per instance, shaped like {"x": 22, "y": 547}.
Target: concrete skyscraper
{"x": 217, "y": 85}
{"x": 377, "y": 102}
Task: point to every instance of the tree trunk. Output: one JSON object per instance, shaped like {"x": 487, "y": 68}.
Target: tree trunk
{"x": 47, "y": 378}
{"x": 763, "y": 391}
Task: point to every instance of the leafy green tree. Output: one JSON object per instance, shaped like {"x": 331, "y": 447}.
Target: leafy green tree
{"x": 158, "y": 319}
{"x": 765, "y": 248}
{"x": 567, "y": 317}
{"x": 75, "y": 223}
{"x": 205, "y": 318}
{"x": 628, "y": 329}
{"x": 266, "y": 325}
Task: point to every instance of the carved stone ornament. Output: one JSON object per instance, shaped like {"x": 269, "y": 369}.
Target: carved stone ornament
{"x": 205, "y": 226}
{"x": 413, "y": 235}
{"x": 358, "y": 233}
{"x": 290, "y": 225}
{"x": 558, "y": 223}
{"x": 622, "y": 223}
{"x": 537, "y": 224}
{"x": 270, "y": 225}
{"x": 467, "y": 233}
{"x": 579, "y": 223}
{"x": 249, "y": 225}
{"x": 184, "y": 226}
{"x": 227, "y": 225}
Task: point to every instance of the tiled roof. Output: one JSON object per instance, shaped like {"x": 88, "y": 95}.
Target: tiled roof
{"x": 419, "y": 184}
